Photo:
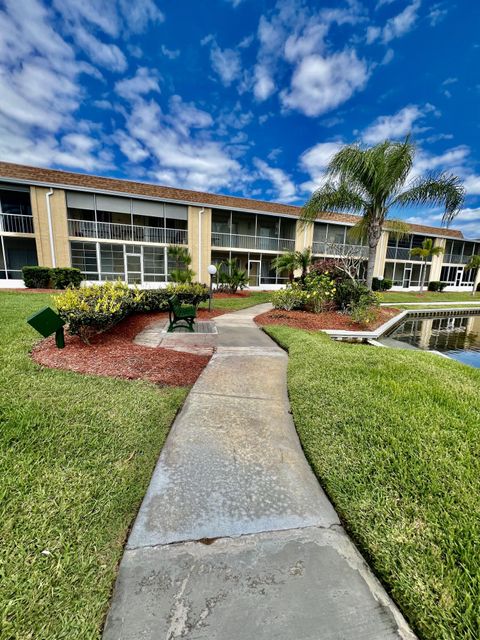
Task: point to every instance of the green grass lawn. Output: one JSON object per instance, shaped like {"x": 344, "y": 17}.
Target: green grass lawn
{"x": 76, "y": 456}
{"x": 235, "y": 304}
{"x": 394, "y": 437}
{"x": 429, "y": 296}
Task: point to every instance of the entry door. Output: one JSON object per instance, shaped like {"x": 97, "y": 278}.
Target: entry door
{"x": 254, "y": 273}
{"x": 459, "y": 277}
{"x": 134, "y": 268}
{"x": 407, "y": 277}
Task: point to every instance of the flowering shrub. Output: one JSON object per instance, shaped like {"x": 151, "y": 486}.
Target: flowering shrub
{"x": 293, "y": 297}
{"x": 96, "y": 308}
{"x": 319, "y": 291}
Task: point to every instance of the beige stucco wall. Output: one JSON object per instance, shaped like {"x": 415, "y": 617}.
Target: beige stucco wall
{"x": 58, "y": 209}
{"x": 381, "y": 255}
{"x": 303, "y": 236}
{"x": 200, "y": 241}
{"x": 437, "y": 261}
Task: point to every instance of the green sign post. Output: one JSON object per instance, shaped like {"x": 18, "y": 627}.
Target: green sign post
{"x": 46, "y": 322}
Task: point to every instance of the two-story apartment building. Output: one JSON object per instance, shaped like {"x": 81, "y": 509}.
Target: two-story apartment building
{"x": 112, "y": 229}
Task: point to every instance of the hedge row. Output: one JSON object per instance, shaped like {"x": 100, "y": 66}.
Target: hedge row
{"x": 97, "y": 308}
{"x": 55, "y": 278}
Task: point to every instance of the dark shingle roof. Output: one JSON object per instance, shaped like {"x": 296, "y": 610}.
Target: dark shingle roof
{"x": 68, "y": 179}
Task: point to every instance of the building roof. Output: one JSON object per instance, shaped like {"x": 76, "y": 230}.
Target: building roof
{"x": 71, "y": 180}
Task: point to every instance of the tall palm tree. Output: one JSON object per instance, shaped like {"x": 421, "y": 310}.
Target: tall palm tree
{"x": 293, "y": 260}
{"x": 371, "y": 181}
{"x": 473, "y": 263}
{"x": 426, "y": 253}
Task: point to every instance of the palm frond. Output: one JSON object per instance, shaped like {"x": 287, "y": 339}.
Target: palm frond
{"x": 358, "y": 234}
{"x": 436, "y": 189}
{"x": 332, "y": 198}
{"x": 397, "y": 228}
{"x": 473, "y": 263}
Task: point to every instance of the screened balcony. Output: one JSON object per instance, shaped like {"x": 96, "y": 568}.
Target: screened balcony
{"x": 125, "y": 232}
{"x": 126, "y": 219}
{"x": 337, "y": 249}
{"x": 252, "y": 232}
{"x": 254, "y": 243}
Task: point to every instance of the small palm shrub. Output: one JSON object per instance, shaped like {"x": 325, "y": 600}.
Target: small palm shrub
{"x": 231, "y": 277}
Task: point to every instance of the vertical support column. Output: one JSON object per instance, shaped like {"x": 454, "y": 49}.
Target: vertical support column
{"x": 58, "y": 207}
{"x": 381, "y": 255}
{"x": 200, "y": 241}
{"x": 437, "y": 261}
{"x": 303, "y": 236}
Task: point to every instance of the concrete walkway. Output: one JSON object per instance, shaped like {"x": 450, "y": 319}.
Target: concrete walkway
{"x": 235, "y": 539}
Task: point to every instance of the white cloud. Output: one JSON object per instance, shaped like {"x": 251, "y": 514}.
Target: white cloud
{"x": 395, "y": 27}
{"x": 293, "y": 33}
{"x": 264, "y": 85}
{"x": 226, "y": 63}
{"x": 320, "y": 84}
{"x": 315, "y": 160}
{"x": 171, "y": 54}
{"x": 283, "y": 185}
{"x": 402, "y": 23}
{"x": 393, "y": 127}
{"x": 437, "y": 13}
{"x": 180, "y": 155}
{"x": 144, "y": 81}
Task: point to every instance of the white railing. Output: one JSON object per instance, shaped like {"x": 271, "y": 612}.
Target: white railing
{"x": 255, "y": 243}
{"x": 399, "y": 253}
{"x": 126, "y": 232}
{"x": 337, "y": 249}
{"x": 12, "y": 223}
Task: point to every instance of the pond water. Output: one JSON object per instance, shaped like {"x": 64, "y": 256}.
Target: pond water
{"x": 456, "y": 336}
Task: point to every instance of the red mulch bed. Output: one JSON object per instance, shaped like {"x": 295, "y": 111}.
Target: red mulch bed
{"x": 318, "y": 321}
{"x": 113, "y": 354}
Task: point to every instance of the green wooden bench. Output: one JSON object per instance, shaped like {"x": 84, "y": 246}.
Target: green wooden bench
{"x": 181, "y": 315}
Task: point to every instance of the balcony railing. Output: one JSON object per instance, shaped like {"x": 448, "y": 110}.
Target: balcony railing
{"x": 337, "y": 249}
{"x": 12, "y": 223}
{"x": 126, "y": 232}
{"x": 398, "y": 253}
{"x": 254, "y": 243}
{"x": 455, "y": 258}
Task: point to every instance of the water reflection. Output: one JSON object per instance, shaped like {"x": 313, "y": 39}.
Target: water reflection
{"x": 458, "y": 336}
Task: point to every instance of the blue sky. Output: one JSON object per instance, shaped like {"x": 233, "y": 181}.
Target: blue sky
{"x": 245, "y": 97}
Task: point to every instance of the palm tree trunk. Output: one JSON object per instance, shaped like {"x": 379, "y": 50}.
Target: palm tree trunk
{"x": 374, "y": 233}
{"x": 423, "y": 268}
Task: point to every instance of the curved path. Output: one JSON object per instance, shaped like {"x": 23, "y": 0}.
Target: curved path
{"x": 235, "y": 539}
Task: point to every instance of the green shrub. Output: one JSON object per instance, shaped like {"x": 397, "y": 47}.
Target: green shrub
{"x": 364, "y": 310}
{"x": 436, "y": 285}
{"x": 320, "y": 290}
{"x": 95, "y": 309}
{"x": 349, "y": 293}
{"x": 383, "y": 284}
{"x": 293, "y": 297}
{"x": 157, "y": 299}
{"x": 231, "y": 277}
{"x": 36, "y": 277}
{"x": 63, "y": 277}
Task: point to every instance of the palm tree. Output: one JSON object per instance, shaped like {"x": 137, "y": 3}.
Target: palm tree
{"x": 426, "y": 252}
{"x": 473, "y": 263}
{"x": 182, "y": 271}
{"x": 371, "y": 181}
{"x": 293, "y": 260}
